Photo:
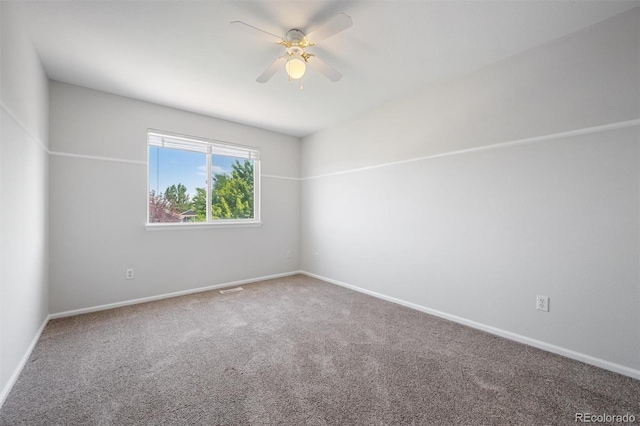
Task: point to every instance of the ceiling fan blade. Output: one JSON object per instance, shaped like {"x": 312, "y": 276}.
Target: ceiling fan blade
{"x": 251, "y": 30}
{"x": 271, "y": 70}
{"x": 324, "y": 69}
{"x": 334, "y": 26}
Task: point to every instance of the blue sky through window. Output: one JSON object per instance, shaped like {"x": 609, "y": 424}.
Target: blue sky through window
{"x": 172, "y": 166}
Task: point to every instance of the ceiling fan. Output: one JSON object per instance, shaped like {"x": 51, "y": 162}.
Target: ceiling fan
{"x": 295, "y": 42}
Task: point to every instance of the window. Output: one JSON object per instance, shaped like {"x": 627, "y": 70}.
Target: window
{"x": 201, "y": 181}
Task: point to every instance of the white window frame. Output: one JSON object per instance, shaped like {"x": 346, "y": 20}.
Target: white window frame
{"x": 161, "y": 138}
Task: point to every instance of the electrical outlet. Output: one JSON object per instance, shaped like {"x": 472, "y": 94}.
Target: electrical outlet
{"x": 316, "y": 256}
{"x": 288, "y": 254}
{"x": 542, "y": 303}
{"x": 129, "y": 273}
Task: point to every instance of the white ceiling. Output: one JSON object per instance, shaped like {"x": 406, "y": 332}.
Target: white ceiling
{"x": 184, "y": 54}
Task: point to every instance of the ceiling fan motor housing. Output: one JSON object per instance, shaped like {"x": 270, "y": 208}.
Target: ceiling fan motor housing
{"x": 295, "y": 36}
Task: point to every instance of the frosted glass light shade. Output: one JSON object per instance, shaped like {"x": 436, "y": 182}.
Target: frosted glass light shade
{"x": 295, "y": 67}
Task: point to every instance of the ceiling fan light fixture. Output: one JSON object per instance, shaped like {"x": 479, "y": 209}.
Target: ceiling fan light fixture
{"x": 295, "y": 67}
{"x": 295, "y": 42}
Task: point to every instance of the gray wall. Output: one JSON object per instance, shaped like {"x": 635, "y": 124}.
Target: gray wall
{"x": 411, "y": 201}
{"x": 98, "y": 205}
{"x": 475, "y": 234}
{"x": 23, "y": 197}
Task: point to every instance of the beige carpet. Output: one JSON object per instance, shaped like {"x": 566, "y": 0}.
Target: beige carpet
{"x": 297, "y": 351}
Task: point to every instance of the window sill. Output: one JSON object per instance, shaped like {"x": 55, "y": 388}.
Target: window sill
{"x": 202, "y": 225}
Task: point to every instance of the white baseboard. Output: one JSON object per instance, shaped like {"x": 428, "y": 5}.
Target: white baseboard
{"x": 607, "y": 365}
{"x": 167, "y": 295}
{"x": 587, "y": 359}
{"x": 12, "y": 380}
{"x": 23, "y": 361}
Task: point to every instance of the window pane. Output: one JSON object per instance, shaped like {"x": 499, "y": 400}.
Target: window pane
{"x": 232, "y": 188}
{"x": 177, "y": 185}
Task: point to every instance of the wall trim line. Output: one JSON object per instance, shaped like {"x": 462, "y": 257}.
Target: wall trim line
{"x": 568, "y": 353}
{"x": 509, "y": 144}
{"x": 16, "y": 373}
{"x": 97, "y": 157}
{"x": 279, "y": 177}
{"x": 140, "y": 162}
{"x": 130, "y": 302}
{"x": 27, "y": 131}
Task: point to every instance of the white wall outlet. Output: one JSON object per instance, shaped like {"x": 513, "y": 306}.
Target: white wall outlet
{"x": 542, "y": 303}
{"x": 129, "y": 273}
{"x": 316, "y": 256}
{"x": 288, "y": 254}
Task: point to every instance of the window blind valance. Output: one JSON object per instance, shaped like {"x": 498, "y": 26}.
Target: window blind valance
{"x": 205, "y": 146}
